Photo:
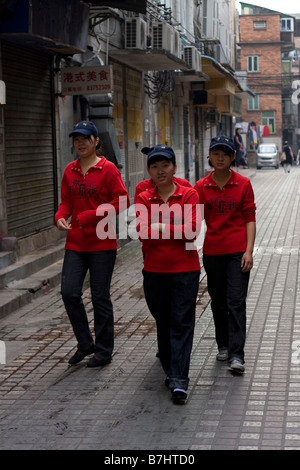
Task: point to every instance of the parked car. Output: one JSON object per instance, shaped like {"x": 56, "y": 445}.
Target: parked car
{"x": 267, "y": 155}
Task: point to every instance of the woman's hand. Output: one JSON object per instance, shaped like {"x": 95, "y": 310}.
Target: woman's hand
{"x": 62, "y": 224}
{"x": 247, "y": 262}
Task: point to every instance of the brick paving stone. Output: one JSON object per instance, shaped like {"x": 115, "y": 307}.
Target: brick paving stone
{"x": 45, "y": 404}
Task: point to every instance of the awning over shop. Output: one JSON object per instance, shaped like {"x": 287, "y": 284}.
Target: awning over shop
{"x": 224, "y": 92}
{"x": 222, "y": 81}
{"x": 55, "y": 27}
{"x": 149, "y": 59}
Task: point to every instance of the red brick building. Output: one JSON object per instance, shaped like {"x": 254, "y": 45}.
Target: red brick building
{"x": 260, "y": 56}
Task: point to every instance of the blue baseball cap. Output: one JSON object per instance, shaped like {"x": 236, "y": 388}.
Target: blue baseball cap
{"x": 85, "y": 128}
{"x": 222, "y": 141}
{"x": 161, "y": 150}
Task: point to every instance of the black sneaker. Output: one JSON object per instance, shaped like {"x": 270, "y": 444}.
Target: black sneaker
{"x": 236, "y": 365}
{"x": 222, "y": 354}
{"x": 179, "y": 395}
{"x": 97, "y": 362}
{"x": 80, "y": 355}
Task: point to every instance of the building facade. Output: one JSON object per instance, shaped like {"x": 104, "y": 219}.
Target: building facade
{"x": 172, "y": 80}
{"x": 266, "y": 48}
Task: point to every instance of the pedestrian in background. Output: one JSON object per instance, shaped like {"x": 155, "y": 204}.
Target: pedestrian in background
{"x": 88, "y": 182}
{"x": 289, "y": 157}
{"x": 229, "y": 213}
{"x": 167, "y": 220}
{"x": 240, "y": 148}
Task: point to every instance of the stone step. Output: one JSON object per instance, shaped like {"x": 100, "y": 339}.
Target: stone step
{"x": 21, "y": 292}
{"x": 30, "y": 276}
{"x": 31, "y": 263}
{"x": 7, "y": 258}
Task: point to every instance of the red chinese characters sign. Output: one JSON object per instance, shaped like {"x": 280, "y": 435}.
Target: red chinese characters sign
{"x": 86, "y": 80}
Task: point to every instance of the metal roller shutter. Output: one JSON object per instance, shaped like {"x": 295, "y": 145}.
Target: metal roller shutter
{"x": 29, "y": 155}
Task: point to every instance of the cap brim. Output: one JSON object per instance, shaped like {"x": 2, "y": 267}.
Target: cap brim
{"x": 161, "y": 154}
{"x": 83, "y": 131}
{"x": 221, "y": 145}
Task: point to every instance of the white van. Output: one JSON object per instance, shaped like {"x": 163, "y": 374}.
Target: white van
{"x": 267, "y": 155}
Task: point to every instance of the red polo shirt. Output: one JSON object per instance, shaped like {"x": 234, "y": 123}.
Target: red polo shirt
{"x": 226, "y": 213}
{"x": 171, "y": 251}
{"x": 81, "y": 196}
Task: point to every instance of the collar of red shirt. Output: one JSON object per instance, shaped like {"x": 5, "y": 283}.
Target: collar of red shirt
{"x": 233, "y": 181}
{"x": 76, "y": 164}
{"x": 153, "y": 194}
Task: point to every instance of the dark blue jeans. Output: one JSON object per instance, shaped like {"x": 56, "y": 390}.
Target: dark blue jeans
{"x": 171, "y": 298}
{"x": 238, "y": 158}
{"x": 228, "y": 287}
{"x": 100, "y": 265}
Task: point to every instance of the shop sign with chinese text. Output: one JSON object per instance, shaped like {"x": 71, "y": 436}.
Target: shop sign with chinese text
{"x": 86, "y": 80}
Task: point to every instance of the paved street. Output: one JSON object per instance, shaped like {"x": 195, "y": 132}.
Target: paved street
{"x": 47, "y": 405}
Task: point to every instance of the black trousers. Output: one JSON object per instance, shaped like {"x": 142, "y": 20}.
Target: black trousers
{"x": 100, "y": 265}
{"x": 228, "y": 288}
{"x": 171, "y": 299}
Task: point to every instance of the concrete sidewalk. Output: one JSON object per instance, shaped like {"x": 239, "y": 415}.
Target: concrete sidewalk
{"x": 45, "y": 404}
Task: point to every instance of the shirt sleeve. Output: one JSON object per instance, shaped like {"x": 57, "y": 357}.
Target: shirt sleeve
{"x": 189, "y": 227}
{"x": 143, "y": 220}
{"x": 65, "y": 208}
{"x": 248, "y": 205}
{"x": 138, "y": 191}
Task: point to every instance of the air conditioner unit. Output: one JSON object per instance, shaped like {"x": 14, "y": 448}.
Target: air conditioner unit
{"x": 163, "y": 36}
{"x": 212, "y": 116}
{"x": 135, "y": 33}
{"x": 177, "y": 50}
{"x": 199, "y": 69}
{"x": 192, "y": 57}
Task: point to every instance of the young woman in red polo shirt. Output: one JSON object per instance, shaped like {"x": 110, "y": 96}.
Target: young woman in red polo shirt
{"x": 168, "y": 220}
{"x": 89, "y": 183}
{"x": 229, "y": 212}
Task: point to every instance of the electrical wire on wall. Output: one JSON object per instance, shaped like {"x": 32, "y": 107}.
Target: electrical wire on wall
{"x": 159, "y": 84}
{"x": 271, "y": 82}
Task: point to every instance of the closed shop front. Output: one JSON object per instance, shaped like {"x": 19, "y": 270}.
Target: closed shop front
{"x": 29, "y": 140}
